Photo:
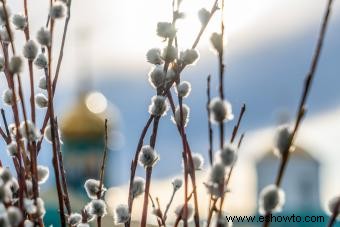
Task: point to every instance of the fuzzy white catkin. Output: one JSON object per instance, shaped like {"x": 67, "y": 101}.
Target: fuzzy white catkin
{"x": 4, "y": 36}
{"x": 28, "y": 223}
{"x": 41, "y": 211}
{"x": 5, "y": 175}
{"x": 185, "y": 115}
{"x": 157, "y": 76}
{"x": 30, "y": 50}
{"x": 189, "y": 56}
{"x": 122, "y": 214}
{"x": 41, "y": 100}
{"x": 228, "y": 155}
{"x": 19, "y": 21}
{"x": 179, "y": 211}
{"x": 44, "y": 37}
{"x": 42, "y": 84}
{"x": 98, "y": 208}
{"x": 29, "y": 131}
{"x": 14, "y": 185}
{"x": 2, "y": 63}
{"x": 41, "y": 62}
{"x": 83, "y": 225}
{"x": 58, "y": 10}
{"x": 203, "y": 16}
{"x": 170, "y": 77}
{"x": 177, "y": 183}
{"x": 158, "y": 106}
{"x": 166, "y": 30}
{"x": 8, "y": 97}
{"x": 29, "y": 206}
{"x": 5, "y": 192}
{"x": 48, "y": 133}
{"x": 332, "y": 205}
{"x": 92, "y": 188}
{"x": 153, "y": 56}
{"x": 15, "y": 64}
{"x": 198, "y": 161}
{"x": 214, "y": 189}
{"x": 169, "y": 53}
{"x": 74, "y": 219}
{"x": 89, "y": 217}
{"x": 29, "y": 187}
{"x": 4, "y": 15}
{"x": 282, "y": 140}
{"x": 14, "y": 216}
{"x": 271, "y": 199}
{"x": 43, "y": 174}
{"x": 12, "y": 149}
{"x": 217, "y": 173}
{"x": 148, "y": 156}
{"x": 217, "y": 42}
{"x": 221, "y": 110}
{"x": 183, "y": 89}
{"x": 138, "y": 187}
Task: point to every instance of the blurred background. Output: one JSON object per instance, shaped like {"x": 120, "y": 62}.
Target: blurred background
{"x": 269, "y": 45}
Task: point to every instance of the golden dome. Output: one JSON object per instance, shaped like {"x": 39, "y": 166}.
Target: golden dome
{"x": 80, "y": 122}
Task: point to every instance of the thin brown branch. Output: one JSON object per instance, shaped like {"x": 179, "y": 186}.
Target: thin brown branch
{"x": 102, "y": 170}
{"x": 53, "y": 129}
{"x": 335, "y": 214}
{"x": 210, "y": 130}
{"x": 62, "y": 171}
{"x": 237, "y": 126}
{"x": 306, "y": 90}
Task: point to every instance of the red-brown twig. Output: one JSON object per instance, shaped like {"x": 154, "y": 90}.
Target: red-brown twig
{"x": 210, "y": 130}
{"x": 53, "y": 129}
{"x": 148, "y": 174}
{"x": 306, "y": 89}
{"x": 55, "y": 79}
{"x": 237, "y": 126}
{"x": 102, "y": 170}
{"x": 335, "y": 214}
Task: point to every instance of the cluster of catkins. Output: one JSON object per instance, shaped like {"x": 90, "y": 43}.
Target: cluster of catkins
{"x": 32, "y": 208}
{"x": 97, "y": 207}
{"x": 94, "y": 209}
{"x": 30, "y": 50}
{"x": 10, "y": 214}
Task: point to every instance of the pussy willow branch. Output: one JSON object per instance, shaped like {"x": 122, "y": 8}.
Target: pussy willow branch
{"x": 189, "y": 165}
{"x": 53, "y": 129}
{"x": 210, "y": 130}
{"x": 15, "y": 110}
{"x": 30, "y": 64}
{"x": 3, "y": 115}
{"x": 306, "y": 89}
{"x": 179, "y": 217}
{"x": 102, "y": 171}
{"x": 237, "y": 126}
{"x": 148, "y": 174}
{"x": 55, "y": 79}
{"x": 62, "y": 171}
{"x": 221, "y": 93}
{"x": 165, "y": 92}
{"x": 185, "y": 161}
{"x": 240, "y": 140}
{"x": 335, "y": 214}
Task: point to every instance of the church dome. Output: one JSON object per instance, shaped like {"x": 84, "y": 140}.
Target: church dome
{"x": 80, "y": 121}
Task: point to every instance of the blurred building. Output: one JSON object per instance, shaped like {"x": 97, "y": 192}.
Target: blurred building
{"x": 83, "y": 136}
{"x": 301, "y": 184}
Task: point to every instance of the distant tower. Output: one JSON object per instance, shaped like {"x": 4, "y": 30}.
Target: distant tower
{"x": 301, "y": 182}
{"x": 83, "y": 137}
